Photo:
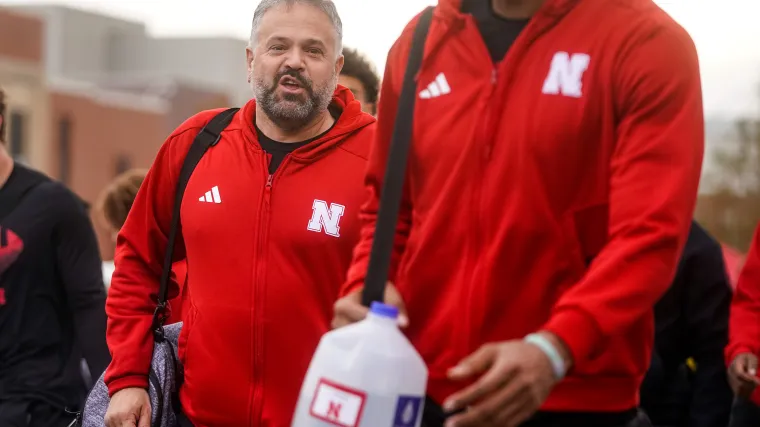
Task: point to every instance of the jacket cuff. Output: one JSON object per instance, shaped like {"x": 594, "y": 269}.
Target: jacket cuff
{"x": 357, "y": 272}
{"x": 578, "y": 331}
{"x": 130, "y": 381}
{"x": 734, "y": 350}
{"x": 350, "y": 287}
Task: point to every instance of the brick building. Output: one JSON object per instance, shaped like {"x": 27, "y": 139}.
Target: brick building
{"x": 80, "y": 126}
{"x": 97, "y": 134}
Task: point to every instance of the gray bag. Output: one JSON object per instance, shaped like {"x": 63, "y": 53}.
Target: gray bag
{"x": 165, "y": 378}
{"x": 165, "y": 375}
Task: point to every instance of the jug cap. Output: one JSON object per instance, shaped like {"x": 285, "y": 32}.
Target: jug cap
{"x": 384, "y": 310}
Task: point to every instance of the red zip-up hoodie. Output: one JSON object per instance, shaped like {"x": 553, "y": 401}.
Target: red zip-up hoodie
{"x": 744, "y": 324}
{"x": 265, "y": 258}
{"x": 553, "y": 191}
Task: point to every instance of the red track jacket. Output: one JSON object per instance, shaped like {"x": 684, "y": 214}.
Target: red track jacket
{"x": 265, "y": 257}
{"x": 744, "y": 325}
{"x": 551, "y": 191}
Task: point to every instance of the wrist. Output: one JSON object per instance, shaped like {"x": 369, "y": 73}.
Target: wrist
{"x": 736, "y": 350}
{"x": 562, "y": 348}
{"x": 555, "y": 350}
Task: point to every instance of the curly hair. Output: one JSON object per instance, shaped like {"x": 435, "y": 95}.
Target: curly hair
{"x": 357, "y": 66}
{"x": 118, "y": 197}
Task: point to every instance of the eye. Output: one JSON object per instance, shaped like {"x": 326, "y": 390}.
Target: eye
{"x": 314, "y": 51}
{"x": 277, "y": 48}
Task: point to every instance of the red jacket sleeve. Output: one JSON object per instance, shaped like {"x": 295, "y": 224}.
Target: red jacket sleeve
{"x": 654, "y": 175}
{"x": 387, "y": 106}
{"x": 139, "y": 256}
{"x": 744, "y": 323}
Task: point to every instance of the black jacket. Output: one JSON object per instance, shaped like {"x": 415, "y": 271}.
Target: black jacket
{"x": 691, "y": 321}
{"x": 52, "y": 310}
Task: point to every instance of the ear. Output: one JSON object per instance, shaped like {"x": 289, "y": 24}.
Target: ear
{"x": 249, "y": 61}
{"x": 339, "y": 65}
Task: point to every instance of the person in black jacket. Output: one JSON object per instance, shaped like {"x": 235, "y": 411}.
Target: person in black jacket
{"x": 52, "y": 299}
{"x": 691, "y": 324}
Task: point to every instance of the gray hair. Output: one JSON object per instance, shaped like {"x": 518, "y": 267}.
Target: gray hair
{"x": 326, "y": 6}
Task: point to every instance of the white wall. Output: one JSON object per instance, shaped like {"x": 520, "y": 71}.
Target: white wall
{"x": 97, "y": 48}
{"x": 215, "y": 62}
{"x": 79, "y": 44}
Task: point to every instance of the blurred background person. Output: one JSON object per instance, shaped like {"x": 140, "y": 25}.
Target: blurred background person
{"x": 686, "y": 385}
{"x": 52, "y": 297}
{"x": 114, "y": 206}
{"x": 744, "y": 341}
{"x": 359, "y": 76}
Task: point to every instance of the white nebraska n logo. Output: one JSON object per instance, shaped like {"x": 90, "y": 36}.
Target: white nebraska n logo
{"x": 326, "y": 218}
{"x": 565, "y": 74}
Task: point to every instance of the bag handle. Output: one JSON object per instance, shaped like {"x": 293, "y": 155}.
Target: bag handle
{"x": 395, "y": 171}
{"x": 206, "y": 138}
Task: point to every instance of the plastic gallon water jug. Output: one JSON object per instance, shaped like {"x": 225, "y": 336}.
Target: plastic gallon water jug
{"x": 364, "y": 375}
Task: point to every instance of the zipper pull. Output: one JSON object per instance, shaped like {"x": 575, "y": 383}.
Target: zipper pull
{"x": 493, "y": 76}
{"x": 269, "y": 181}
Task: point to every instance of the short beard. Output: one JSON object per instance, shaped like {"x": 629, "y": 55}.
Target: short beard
{"x": 292, "y": 112}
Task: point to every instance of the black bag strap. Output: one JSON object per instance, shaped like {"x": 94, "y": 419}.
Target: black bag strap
{"x": 393, "y": 185}
{"x": 395, "y": 171}
{"x": 206, "y": 138}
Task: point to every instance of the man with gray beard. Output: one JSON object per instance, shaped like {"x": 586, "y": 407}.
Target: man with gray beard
{"x": 268, "y": 223}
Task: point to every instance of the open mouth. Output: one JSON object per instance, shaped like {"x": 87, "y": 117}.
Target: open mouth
{"x": 290, "y": 83}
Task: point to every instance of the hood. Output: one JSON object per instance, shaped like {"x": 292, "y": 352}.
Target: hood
{"x": 351, "y": 120}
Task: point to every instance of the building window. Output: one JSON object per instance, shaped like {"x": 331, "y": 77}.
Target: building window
{"x": 64, "y": 150}
{"x": 17, "y": 141}
{"x": 123, "y": 164}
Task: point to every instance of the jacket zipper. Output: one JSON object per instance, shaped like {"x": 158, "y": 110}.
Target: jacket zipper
{"x": 483, "y": 147}
{"x": 258, "y": 293}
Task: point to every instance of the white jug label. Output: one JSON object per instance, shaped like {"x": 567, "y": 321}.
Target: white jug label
{"x": 337, "y": 404}
{"x": 408, "y": 409}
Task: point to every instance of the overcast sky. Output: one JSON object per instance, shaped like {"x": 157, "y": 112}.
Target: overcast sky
{"x": 726, "y": 33}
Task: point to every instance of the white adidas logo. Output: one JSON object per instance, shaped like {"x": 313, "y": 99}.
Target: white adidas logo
{"x": 211, "y": 196}
{"x": 438, "y": 87}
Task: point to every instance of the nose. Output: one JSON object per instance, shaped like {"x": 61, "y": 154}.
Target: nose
{"x": 294, "y": 60}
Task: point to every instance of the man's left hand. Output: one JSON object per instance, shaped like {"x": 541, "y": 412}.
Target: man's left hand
{"x": 517, "y": 378}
